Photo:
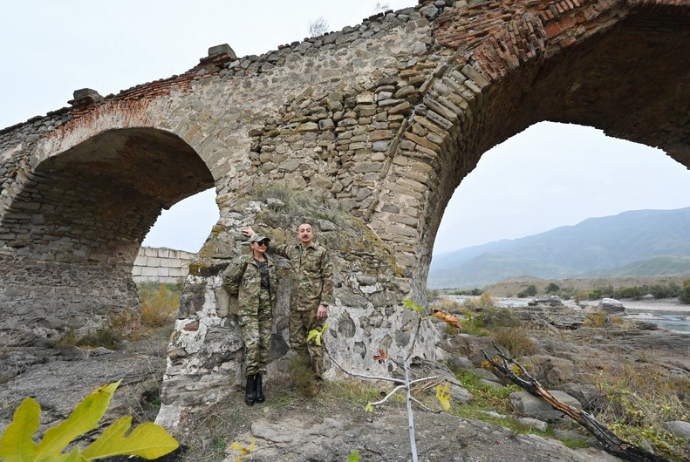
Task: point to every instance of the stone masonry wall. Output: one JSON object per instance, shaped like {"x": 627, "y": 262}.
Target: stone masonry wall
{"x": 157, "y": 264}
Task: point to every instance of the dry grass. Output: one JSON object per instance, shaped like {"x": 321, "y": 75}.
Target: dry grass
{"x": 636, "y": 398}
{"x": 516, "y": 340}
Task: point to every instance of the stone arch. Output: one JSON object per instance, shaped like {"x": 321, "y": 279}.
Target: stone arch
{"x": 78, "y": 220}
{"x": 603, "y": 74}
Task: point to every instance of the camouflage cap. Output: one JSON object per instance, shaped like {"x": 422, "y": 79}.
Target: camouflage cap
{"x": 258, "y": 238}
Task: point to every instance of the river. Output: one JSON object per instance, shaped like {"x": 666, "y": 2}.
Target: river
{"x": 667, "y": 313}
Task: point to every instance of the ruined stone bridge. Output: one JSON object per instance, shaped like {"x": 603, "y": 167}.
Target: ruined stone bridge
{"x": 368, "y": 131}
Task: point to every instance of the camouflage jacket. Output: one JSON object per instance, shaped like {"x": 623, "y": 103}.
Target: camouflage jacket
{"x": 243, "y": 279}
{"x": 312, "y": 280}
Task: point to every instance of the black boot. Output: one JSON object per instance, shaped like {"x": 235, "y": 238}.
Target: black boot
{"x": 260, "y": 398}
{"x": 249, "y": 391}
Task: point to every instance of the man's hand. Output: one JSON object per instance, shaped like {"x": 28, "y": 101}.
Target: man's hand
{"x": 247, "y": 231}
{"x": 322, "y": 312}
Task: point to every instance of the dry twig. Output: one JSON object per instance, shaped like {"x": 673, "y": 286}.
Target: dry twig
{"x": 611, "y": 443}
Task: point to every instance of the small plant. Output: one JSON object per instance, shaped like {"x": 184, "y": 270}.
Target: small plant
{"x": 301, "y": 374}
{"x": 159, "y": 303}
{"x": 318, "y": 27}
{"x": 148, "y": 440}
{"x": 596, "y": 319}
{"x": 404, "y": 385}
{"x": 515, "y": 340}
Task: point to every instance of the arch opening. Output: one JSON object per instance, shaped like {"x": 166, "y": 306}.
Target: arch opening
{"x": 549, "y": 176}
{"x": 72, "y": 233}
{"x": 629, "y": 81}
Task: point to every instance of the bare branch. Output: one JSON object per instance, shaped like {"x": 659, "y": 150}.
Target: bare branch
{"x": 399, "y": 387}
{"x": 363, "y": 376}
{"x": 318, "y": 27}
{"x": 611, "y": 443}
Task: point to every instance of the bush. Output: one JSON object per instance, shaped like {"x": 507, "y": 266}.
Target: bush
{"x": 530, "y": 291}
{"x": 684, "y": 293}
{"x": 515, "y": 340}
{"x": 552, "y": 288}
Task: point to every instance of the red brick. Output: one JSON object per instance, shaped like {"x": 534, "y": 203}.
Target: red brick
{"x": 552, "y": 30}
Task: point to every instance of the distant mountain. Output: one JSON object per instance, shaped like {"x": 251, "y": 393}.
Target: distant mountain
{"x": 631, "y": 243}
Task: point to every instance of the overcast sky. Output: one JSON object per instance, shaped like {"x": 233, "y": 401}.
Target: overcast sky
{"x": 548, "y": 176}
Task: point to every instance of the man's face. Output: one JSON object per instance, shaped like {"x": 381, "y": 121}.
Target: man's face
{"x": 305, "y": 234}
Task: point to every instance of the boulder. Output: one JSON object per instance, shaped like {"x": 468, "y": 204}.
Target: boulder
{"x": 552, "y": 369}
{"x": 679, "y": 428}
{"x": 611, "y": 306}
{"x": 528, "y": 405}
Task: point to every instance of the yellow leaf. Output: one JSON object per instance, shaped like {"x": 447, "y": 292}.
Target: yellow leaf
{"x": 237, "y": 446}
{"x": 369, "y": 407}
{"x": 83, "y": 419}
{"x": 443, "y": 396}
{"x": 244, "y": 451}
{"x": 16, "y": 444}
{"x": 148, "y": 440}
{"x": 316, "y": 335}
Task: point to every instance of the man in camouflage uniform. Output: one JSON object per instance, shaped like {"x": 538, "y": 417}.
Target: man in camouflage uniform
{"x": 312, "y": 293}
{"x": 253, "y": 279}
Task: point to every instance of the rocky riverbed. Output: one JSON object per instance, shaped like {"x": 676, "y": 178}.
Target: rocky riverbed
{"x": 289, "y": 427}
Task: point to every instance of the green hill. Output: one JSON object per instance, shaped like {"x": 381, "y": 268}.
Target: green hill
{"x": 635, "y": 243}
{"x": 654, "y": 266}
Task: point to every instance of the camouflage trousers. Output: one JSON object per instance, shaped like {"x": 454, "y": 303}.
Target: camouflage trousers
{"x": 256, "y": 334}
{"x": 301, "y": 322}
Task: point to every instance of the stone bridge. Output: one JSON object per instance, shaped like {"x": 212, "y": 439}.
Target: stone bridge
{"x": 367, "y": 131}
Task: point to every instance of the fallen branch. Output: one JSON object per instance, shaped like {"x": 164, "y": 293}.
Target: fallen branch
{"x": 611, "y": 443}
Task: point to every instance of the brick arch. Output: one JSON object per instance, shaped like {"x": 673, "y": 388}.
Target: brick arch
{"x": 80, "y": 217}
{"x": 619, "y": 67}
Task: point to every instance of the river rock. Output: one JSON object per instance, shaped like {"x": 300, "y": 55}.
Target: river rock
{"x": 611, "y": 306}
{"x": 529, "y": 405}
{"x": 679, "y": 428}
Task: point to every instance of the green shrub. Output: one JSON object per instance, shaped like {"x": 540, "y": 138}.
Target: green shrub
{"x": 552, "y": 288}
{"x": 530, "y": 291}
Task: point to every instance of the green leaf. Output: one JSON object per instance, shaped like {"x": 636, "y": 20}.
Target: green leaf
{"x": 16, "y": 444}
{"x": 412, "y": 305}
{"x": 148, "y": 440}
{"x": 83, "y": 419}
{"x": 354, "y": 457}
{"x": 369, "y": 407}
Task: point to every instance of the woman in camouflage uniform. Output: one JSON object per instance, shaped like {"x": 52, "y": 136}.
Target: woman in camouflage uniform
{"x": 253, "y": 279}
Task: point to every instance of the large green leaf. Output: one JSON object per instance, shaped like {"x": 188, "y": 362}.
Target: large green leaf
{"x": 148, "y": 440}
{"x": 16, "y": 444}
